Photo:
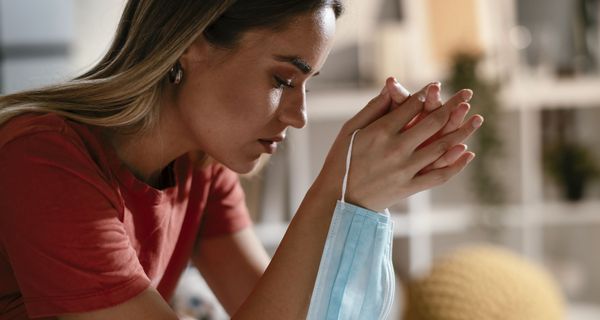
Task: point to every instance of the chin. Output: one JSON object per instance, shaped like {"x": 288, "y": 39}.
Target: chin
{"x": 242, "y": 167}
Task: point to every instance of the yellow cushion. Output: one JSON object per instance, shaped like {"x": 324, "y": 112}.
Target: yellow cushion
{"x": 484, "y": 282}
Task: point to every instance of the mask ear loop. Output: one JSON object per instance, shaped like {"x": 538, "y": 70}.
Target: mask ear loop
{"x": 348, "y": 157}
{"x": 345, "y": 181}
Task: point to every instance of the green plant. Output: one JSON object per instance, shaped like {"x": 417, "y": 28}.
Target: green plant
{"x": 572, "y": 166}
{"x": 486, "y": 142}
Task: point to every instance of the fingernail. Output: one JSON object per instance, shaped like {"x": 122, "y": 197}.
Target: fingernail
{"x": 421, "y": 97}
{"x": 383, "y": 91}
{"x": 435, "y": 85}
{"x": 471, "y": 157}
{"x": 477, "y": 122}
{"x": 467, "y": 94}
{"x": 402, "y": 89}
{"x": 433, "y": 97}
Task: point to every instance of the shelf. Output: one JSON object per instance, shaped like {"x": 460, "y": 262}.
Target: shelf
{"x": 459, "y": 219}
{"x": 436, "y": 222}
{"x": 513, "y": 216}
{"x": 535, "y": 93}
{"x": 521, "y": 93}
{"x": 338, "y": 104}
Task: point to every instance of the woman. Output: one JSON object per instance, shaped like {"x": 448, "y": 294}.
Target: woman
{"x": 106, "y": 190}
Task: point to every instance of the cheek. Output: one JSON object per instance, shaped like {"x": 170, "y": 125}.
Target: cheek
{"x": 252, "y": 103}
{"x": 228, "y": 104}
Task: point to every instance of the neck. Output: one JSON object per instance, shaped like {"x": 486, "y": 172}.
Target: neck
{"x": 147, "y": 154}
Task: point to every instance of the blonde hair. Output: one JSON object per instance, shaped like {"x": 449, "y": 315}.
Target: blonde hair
{"x": 123, "y": 89}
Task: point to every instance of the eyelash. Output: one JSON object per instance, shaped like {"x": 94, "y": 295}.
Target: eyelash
{"x": 281, "y": 84}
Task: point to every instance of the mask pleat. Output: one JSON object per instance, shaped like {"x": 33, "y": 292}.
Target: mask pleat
{"x": 348, "y": 254}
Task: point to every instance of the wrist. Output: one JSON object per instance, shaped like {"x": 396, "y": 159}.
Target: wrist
{"x": 324, "y": 188}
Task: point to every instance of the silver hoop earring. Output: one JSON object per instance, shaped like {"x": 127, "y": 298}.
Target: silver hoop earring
{"x": 176, "y": 74}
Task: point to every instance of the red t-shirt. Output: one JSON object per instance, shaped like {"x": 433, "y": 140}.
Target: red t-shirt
{"x": 78, "y": 231}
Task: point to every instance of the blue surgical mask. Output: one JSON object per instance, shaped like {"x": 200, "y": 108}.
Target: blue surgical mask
{"x": 356, "y": 277}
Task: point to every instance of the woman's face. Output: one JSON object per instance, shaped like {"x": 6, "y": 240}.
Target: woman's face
{"x": 230, "y": 100}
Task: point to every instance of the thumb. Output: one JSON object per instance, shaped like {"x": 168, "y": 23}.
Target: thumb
{"x": 374, "y": 110}
{"x": 398, "y": 93}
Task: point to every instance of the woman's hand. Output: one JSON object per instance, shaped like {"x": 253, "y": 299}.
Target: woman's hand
{"x": 432, "y": 100}
{"x": 397, "y": 152}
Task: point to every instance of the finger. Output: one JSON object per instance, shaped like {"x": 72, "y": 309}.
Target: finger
{"x": 398, "y": 93}
{"x": 433, "y": 98}
{"x": 423, "y": 157}
{"x": 432, "y": 102}
{"x": 447, "y": 158}
{"x": 439, "y": 176}
{"x": 464, "y": 95}
{"x": 399, "y": 117}
{"x": 414, "y": 121}
{"x": 374, "y": 110}
{"x": 422, "y": 133}
{"x": 456, "y": 118}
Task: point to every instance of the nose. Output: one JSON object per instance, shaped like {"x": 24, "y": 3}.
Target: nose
{"x": 293, "y": 112}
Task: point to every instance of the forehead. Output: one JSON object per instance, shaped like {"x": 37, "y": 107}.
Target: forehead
{"x": 308, "y": 36}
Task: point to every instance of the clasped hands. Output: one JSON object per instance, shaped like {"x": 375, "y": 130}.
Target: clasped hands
{"x": 407, "y": 143}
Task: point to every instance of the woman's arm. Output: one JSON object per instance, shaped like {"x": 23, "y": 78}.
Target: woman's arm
{"x": 384, "y": 170}
{"x": 231, "y": 265}
{"x": 283, "y": 292}
{"x": 148, "y": 305}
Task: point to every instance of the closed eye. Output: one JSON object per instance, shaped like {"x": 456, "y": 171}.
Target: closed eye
{"x": 281, "y": 83}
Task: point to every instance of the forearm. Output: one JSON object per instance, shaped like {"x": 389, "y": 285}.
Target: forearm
{"x": 386, "y": 166}
{"x": 284, "y": 290}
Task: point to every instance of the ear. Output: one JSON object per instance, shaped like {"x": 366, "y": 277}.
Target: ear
{"x": 200, "y": 52}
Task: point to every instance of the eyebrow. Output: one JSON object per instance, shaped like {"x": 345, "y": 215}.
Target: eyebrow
{"x": 297, "y": 62}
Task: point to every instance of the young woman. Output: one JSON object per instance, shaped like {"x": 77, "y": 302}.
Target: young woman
{"x": 111, "y": 182}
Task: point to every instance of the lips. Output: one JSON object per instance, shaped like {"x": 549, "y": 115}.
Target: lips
{"x": 273, "y": 139}
{"x": 270, "y": 144}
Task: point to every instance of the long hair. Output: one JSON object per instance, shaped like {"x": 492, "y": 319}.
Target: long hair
{"x": 122, "y": 91}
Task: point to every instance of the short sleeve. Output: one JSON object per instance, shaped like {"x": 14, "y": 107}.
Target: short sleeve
{"x": 226, "y": 211}
{"x": 60, "y": 228}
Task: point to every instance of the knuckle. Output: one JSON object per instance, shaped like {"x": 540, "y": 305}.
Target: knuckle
{"x": 442, "y": 147}
{"x": 439, "y": 178}
{"x": 439, "y": 164}
{"x": 440, "y": 117}
{"x": 402, "y": 146}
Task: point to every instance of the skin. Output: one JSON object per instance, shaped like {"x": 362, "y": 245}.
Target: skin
{"x": 251, "y": 103}
{"x": 230, "y": 99}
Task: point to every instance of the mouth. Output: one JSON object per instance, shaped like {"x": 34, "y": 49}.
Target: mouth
{"x": 275, "y": 138}
{"x": 270, "y": 144}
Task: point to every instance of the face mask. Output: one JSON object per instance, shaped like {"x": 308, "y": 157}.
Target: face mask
{"x": 355, "y": 278}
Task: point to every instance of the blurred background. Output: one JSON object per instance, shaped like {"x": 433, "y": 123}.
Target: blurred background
{"x": 533, "y": 190}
